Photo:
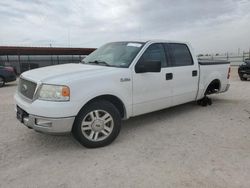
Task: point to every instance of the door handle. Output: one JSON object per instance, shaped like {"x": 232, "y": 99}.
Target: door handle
{"x": 169, "y": 76}
{"x": 194, "y": 73}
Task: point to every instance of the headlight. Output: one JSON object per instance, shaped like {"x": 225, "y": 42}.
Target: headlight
{"x": 54, "y": 93}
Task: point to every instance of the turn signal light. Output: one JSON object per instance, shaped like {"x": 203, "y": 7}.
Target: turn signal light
{"x": 65, "y": 91}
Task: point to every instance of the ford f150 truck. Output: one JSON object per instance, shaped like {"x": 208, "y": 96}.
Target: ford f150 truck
{"x": 117, "y": 81}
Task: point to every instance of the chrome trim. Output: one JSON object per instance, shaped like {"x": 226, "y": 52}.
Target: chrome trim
{"x": 38, "y": 86}
{"x": 125, "y": 79}
{"x": 97, "y": 125}
{"x": 49, "y": 125}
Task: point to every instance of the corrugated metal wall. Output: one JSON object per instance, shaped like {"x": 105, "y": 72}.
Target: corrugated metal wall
{"x": 26, "y": 58}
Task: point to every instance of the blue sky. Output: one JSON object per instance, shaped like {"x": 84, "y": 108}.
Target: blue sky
{"x": 210, "y": 26}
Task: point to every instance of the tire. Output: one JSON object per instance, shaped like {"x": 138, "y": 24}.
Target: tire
{"x": 97, "y": 124}
{"x": 204, "y": 101}
{"x": 2, "y": 82}
{"x": 242, "y": 78}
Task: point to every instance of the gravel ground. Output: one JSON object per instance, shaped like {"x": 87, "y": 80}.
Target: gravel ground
{"x": 183, "y": 146}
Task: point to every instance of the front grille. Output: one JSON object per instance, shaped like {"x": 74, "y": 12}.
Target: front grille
{"x": 26, "y": 88}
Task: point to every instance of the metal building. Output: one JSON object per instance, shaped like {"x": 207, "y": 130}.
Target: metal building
{"x": 26, "y": 58}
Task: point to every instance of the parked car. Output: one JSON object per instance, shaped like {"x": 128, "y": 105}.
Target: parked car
{"x": 117, "y": 81}
{"x": 7, "y": 74}
{"x": 244, "y": 70}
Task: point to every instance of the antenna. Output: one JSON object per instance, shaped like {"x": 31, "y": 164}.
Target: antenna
{"x": 69, "y": 37}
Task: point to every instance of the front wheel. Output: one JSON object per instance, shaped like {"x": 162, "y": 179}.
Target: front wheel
{"x": 97, "y": 124}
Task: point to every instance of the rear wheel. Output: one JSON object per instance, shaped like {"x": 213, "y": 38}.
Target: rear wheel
{"x": 2, "y": 82}
{"x": 204, "y": 101}
{"x": 97, "y": 124}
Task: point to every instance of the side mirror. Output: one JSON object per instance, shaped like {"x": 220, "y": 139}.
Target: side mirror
{"x": 148, "y": 66}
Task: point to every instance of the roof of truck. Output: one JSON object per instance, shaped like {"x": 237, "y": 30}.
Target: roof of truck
{"x": 153, "y": 40}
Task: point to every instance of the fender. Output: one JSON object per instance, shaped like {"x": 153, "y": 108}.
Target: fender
{"x": 203, "y": 86}
{"x": 127, "y": 105}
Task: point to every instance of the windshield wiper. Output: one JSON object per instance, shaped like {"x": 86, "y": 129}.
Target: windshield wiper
{"x": 97, "y": 62}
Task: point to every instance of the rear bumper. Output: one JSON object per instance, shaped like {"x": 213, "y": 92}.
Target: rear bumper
{"x": 226, "y": 89}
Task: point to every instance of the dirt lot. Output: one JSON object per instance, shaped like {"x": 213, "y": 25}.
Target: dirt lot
{"x": 184, "y": 146}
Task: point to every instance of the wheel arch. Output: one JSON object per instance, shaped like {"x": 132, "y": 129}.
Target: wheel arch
{"x": 116, "y": 101}
{"x": 213, "y": 87}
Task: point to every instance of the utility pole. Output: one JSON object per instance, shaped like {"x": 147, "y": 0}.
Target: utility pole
{"x": 69, "y": 37}
{"x": 51, "y": 58}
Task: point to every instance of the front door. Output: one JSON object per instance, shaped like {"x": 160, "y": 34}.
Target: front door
{"x": 152, "y": 90}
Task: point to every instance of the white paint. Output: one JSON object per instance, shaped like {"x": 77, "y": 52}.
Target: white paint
{"x": 138, "y": 45}
{"x": 145, "y": 92}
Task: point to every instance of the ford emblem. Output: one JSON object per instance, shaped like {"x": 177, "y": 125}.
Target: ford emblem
{"x": 24, "y": 88}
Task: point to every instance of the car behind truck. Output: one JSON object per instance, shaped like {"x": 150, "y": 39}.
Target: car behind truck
{"x": 117, "y": 81}
{"x": 7, "y": 74}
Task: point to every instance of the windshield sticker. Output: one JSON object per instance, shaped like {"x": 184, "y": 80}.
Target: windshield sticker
{"x": 138, "y": 45}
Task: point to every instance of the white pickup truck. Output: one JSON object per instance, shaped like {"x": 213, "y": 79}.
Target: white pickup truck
{"x": 117, "y": 81}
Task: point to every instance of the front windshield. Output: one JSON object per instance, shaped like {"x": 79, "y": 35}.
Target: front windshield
{"x": 115, "y": 54}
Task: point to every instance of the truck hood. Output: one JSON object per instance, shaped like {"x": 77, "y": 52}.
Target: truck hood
{"x": 62, "y": 73}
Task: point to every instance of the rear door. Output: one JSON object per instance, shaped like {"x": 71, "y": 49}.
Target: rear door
{"x": 185, "y": 73}
{"x": 152, "y": 90}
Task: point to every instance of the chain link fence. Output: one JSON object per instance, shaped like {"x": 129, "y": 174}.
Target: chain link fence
{"x": 234, "y": 59}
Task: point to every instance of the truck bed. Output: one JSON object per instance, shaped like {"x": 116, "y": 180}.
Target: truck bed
{"x": 211, "y": 70}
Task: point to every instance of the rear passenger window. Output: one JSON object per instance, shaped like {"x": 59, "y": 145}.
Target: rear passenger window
{"x": 180, "y": 55}
{"x": 155, "y": 52}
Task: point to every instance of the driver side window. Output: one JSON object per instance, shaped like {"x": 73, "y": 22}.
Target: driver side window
{"x": 155, "y": 52}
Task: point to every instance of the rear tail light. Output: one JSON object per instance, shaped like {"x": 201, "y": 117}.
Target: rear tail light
{"x": 229, "y": 71}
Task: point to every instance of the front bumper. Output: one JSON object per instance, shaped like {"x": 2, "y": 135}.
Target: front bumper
{"x": 45, "y": 124}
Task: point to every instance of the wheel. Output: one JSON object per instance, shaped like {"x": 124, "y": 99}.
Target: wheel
{"x": 209, "y": 101}
{"x": 97, "y": 124}
{"x": 243, "y": 79}
{"x": 2, "y": 82}
{"x": 204, "y": 101}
